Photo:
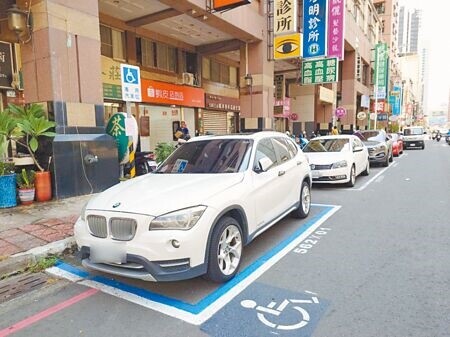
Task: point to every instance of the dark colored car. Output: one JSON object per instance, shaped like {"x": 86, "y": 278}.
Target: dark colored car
{"x": 378, "y": 144}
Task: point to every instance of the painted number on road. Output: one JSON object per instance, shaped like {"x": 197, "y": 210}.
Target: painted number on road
{"x": 311, "y": 241}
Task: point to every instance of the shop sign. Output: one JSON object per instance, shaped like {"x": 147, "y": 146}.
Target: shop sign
{"x": 112, "y": 91}
{"x": 320, "y": 71}
{"x": 314, "y": 28}
{"x": 287, "y": 46}
{"x": 381, "y": 106}
{"x": 340, "y": 112}
{"x": 326, "y": 95}
{"x": 110, "y": 71}
{"x": 6, "y": 65}
{"x": 381, "y": 56}
{"x": 220, "y": 5}
{"x": 222, "y": 103}
{"x": 365, "y": 101}
{"x": 361, "y": 115}
{"x": 382, "y": 117}
{"x": 286, "y": 104}
{"x": 285, "y": 17}
{"x": 279, "y": 86}
{"x": 168, "y": 93}
{"x": 336, "y": 20}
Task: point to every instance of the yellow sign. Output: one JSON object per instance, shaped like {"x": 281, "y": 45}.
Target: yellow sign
{"x": 287, "y": 46}
{"x": 110, "y": 71}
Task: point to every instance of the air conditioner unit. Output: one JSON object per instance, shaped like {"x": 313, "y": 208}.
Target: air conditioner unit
{"x": 188, "y": 78}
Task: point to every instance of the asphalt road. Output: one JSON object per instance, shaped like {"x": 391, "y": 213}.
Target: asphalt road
{"x": 375, "y": 266}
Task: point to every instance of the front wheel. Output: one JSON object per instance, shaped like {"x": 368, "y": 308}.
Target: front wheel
{"x": 305, "y": 202}
{"x": 352, "y": 179}
{"x": 225, "y": 251}
{"x": 366, "y": 172}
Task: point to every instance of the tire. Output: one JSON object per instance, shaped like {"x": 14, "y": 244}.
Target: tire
{"x": 423, "y": 146}
{"x": 391, "y": 157}
{"x": 305, "y": 202}
{"x": 225, "y": 252}
{"x": 386, "y": 162}
{"x": 352, "y": 180}
{"x": 366, "y": 172}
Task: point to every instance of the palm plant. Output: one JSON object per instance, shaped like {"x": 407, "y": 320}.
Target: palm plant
{"x": 25, "y": 180}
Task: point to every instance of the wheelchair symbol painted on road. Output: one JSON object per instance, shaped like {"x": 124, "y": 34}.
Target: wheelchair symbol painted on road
{"x": 270, "y": 310}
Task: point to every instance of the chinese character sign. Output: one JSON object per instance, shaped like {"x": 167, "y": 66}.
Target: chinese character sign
{"x": 314, "y": 28}
{"x": 381, "y": 57}
{"x": 285, "y": 17}
{"x": 396, "y": 101}
{"x": 287, "y": 46}
{"x": 131, "y": 83}
{"x": 336, "y": 19}
{"x": 320, "y": 71}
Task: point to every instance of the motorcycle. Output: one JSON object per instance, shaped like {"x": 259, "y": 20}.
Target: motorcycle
{"x": 144, "y": 162}
{"x": 438, "y": 137}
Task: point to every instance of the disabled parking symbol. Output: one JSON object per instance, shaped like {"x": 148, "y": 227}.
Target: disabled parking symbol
{"x": 130, "y": 75}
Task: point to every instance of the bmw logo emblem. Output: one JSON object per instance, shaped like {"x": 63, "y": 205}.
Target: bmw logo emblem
{"x": 117, "y": 204}
{"x": 312, "y": 166}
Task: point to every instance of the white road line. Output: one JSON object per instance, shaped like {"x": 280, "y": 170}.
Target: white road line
{"x": 64, "y": 274}
{"x": 371, "y": 179}
{"x": 215, "y": 306}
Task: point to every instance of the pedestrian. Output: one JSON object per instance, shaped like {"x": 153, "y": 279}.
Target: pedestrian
{"x": 335, "y": 130}
{"x": 182, "y": 132}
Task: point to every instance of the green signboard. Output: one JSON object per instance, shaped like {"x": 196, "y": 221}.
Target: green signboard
{"x": 381, "y": 70}
{"x": 320, "y": 71}
{"x": 112, "y": 91}
{"x": 116, "y": 129}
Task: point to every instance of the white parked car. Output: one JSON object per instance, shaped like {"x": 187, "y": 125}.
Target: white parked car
{"x": 194, "y": 214}
{"x": 337, "y": 159}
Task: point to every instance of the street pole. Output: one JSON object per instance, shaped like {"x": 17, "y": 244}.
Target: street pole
{"x": 377, "y": 60}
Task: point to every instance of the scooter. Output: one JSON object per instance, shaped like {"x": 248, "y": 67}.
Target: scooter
{"x": 144, "y": 163}
{"x": 438, "y": 137}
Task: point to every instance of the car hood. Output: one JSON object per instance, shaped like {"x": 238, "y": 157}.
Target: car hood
{"x": 372, "y": 143}
{"x": 324, "y": 158}
{"x": 156, "y": 194}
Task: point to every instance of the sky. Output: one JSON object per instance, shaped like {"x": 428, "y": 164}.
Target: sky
{"x": 435, "y": 37}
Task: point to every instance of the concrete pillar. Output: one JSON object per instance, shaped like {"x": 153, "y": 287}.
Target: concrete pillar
{"x": 61, "y": 63}
{"x": 348, "y": 88}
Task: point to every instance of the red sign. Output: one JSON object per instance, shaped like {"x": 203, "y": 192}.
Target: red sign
{"x": 340, "y": 112}
{"x": 286, "y": 103}
{"x": 219, "y": 5}
{"x": 168, "y": 93}
{"x": 381, "y": 106}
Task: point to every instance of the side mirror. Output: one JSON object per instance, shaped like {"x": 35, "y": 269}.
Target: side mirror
{"x": 424, "y": 132}
{"x": 264, "y": 164}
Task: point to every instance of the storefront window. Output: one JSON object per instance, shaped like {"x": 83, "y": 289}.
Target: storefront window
{"x": 157, "y": 55}
{"x": 219, "y": 72}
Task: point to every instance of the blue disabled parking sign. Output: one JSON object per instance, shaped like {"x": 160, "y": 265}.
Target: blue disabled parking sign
{"x": 131, "y": 83}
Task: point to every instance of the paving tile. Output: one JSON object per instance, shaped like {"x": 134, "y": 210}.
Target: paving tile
{"x": 32, "y": 227}
{"x": 9, "y": 249}
{"x": 10, "y": 233}
{"x": 64, "y": 227}
{"x": 30, "y": 243}
{"x": 3, "y": 243}
{"x": 56, "y": 236}
{"x": 22, "y": 237}
{"x": 49, "y": 222}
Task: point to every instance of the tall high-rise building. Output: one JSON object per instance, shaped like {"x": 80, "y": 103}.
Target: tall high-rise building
{"x": 409, "y": 30}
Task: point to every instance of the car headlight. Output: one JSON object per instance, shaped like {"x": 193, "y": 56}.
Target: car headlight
{"x": 342, "y": 163}
{"x": 183, "y": 219}
{"x": 381, "y": 147}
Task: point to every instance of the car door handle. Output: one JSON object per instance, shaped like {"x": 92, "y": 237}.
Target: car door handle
{"x": 280, "y": 173}
{"x": 299, "y": 162}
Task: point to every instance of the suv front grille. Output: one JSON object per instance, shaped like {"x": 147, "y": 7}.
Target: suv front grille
{"x": 122, "y": 229}
{"x": 97, "y": 226}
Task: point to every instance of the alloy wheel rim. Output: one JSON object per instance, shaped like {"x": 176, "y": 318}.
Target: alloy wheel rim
{"x": 229, "y": 250}
{"x": 306, "y": 199}
{"x": 353, "y": 175}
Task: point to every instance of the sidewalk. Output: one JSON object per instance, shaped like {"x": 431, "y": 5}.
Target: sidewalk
{"x": 36, "y": 230}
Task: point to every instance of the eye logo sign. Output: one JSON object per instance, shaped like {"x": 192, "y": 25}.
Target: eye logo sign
{"x": 287, "y": 46}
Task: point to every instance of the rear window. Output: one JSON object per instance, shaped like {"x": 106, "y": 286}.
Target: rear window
{"x": 413, "y": 131}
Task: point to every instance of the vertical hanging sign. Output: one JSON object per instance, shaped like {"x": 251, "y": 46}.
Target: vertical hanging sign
{"x": 381, "y": 70}
{"x": 314, "y": 28}
{"x": 336, "y": 21}
{"x": 285, "y": 17}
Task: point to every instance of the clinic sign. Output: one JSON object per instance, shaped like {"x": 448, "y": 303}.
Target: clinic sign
{"x": 131, "y": 83}
{"x": 285, "y": 17}
{"x": 320, "y": 71}
{"x": 336, "y": 21}
{"x": 287, "y": 46}
{"x": 381, "y": 57}
{"x": 314, "y": 28}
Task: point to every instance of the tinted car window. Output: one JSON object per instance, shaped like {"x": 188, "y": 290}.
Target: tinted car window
{"x": 293, "y": 148}
{"x": 209, "y": 156}
{"x": 265, "y": 149}
{"x": 413, "y": 131}
{"x": 282, "y": 148}
{"x": 327, "y": 145}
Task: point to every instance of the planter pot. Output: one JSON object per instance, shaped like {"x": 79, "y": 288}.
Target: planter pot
{"x": 43, "y": 186}
{"x": 26, "y": 195}
{"x": 8, "y": 194}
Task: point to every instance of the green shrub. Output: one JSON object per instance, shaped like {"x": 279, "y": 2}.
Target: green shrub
{"x": 163, "y": 150}
{"x": 26, "y": 179}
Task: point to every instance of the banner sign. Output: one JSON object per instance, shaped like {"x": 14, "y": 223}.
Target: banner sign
{"x": 314, "y": 28}
{"x": 320, "y": 71}
{"x": 287, "y": 46}
{"x": 396, "y": 100}
{"x": 168, "y": 93}
{"x": 336, "y": 21}
{"x": 381, "y": 57}
{"x": 381, "y": 106}
{"x": 6, "y": 65}
{"x": 220, "y": 5}
{"x": 285, "y": 17}
{"x": 365, "y": 101}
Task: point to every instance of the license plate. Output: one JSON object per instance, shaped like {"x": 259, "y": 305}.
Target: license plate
{"x": 108, "y": 253}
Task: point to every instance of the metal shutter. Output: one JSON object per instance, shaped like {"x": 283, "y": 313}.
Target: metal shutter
{"x": 215, "y": 122}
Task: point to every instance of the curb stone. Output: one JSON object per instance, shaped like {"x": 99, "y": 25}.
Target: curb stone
{"x": 20, "y": 261}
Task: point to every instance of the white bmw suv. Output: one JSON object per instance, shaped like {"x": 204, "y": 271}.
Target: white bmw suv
{"x": 194, "y": 214}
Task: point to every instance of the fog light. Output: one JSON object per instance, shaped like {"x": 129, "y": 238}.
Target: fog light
{"x": 175, "y": 243}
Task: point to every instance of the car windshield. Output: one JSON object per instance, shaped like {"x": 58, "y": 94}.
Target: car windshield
{"x": 413, "y": 131}
{"x": 327, "y": 145}
{"x": 209, "y": 156}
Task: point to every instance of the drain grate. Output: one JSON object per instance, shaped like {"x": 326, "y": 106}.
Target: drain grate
{"x": 18, "y": 285}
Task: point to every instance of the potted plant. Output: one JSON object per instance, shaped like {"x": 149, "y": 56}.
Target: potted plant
{"x": 162, "y": 151}
{"x": 8, "y": 196}
{"x": 33, "y": 124}
{"x": 25, "y": 182}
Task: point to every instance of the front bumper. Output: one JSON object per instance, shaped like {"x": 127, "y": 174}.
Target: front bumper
{"x": 377, "y": 157}
{"x": 331, "y": 176}
{"x": 413, "y": 143}
{"x": 150, "y": 255}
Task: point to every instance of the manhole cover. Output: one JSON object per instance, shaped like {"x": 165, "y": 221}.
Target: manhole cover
{"x": 18, "y": 285}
